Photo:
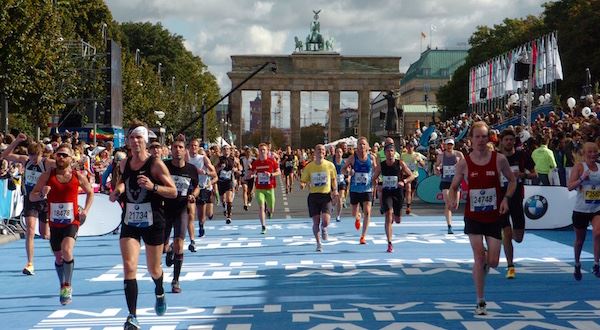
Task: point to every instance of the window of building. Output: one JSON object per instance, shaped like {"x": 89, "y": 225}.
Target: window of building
{"x": 444, "y": 73}
{"x": 426, "y": 72}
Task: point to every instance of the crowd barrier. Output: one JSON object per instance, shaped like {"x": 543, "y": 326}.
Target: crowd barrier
{"x": 103, "y": 218}
{"x": 545, "y": 207}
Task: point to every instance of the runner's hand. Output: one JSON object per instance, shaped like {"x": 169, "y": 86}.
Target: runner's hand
{"x": 504, "y": 206}
{"x": 114, "y": 196}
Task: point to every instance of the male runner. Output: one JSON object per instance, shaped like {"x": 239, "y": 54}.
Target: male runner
{"x": 320, "y": 174}
{"x": 287, "y": 162}
{"x": 227, "y": 167}
{"x": 513, "y": 228}
{"x": 485, "y": 202}
{"x": 342, "y": 182}
{"x": 413, "y": 160}
{"x": 35, "y": 165}
{"x": 362, "y": 166}
{"x": 60, "y": 187}
{"x": 265, "y": 169}
{"x": 185, "y": 177}
{"x": 247, "y": 180}
{"x": 145, "y": 183}
{"x": 395, "y": 174}
{"x": 446, "y": 167}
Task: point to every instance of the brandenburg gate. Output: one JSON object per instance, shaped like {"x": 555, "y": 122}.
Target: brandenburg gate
{"x": 314, "y": 68}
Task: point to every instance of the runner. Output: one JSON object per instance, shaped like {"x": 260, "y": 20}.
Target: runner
{"x": 145, "y": 182}
{"x": 287, "y": 162}
{"x": 197, "y": 158}
{"x": 515, "y": 230}
{"x": 482, "y": 168}
{"x": 394, "y": 177}
{"x": 362, "y": 165}
{"x": 34, "y": 165}
{"x": 446, "y": 167}
{"x": 585, "y": 177}
{"x": 247, "y": 180}
{"x": 413, "y": 160}
{"x": 185, "y": 177}
{"x": 265, "y": 169}
{"x": 227, "y": 167}
{"x": 60, "y": 187}
{"x": 342, "y": 182}
{"x": 320, "y": 174}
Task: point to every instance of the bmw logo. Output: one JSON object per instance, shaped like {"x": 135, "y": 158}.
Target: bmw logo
{"x": 535, "y": 207}
{"x": 60, "y": 206}
{"x": 137, "y": 207}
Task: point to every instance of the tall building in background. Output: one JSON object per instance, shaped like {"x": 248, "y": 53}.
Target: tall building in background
{"x": 422, "y": 81}
{"x": 255, "y": 110}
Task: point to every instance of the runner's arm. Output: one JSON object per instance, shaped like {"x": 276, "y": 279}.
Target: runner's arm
{"x": 40, "y": 192}
{"x": 8, "y": 152}
{"x": 89, "y": 193}
{"x": 575, "y": 178}
{"x": 461, "y": 169}
{"x": 161, "y": 172}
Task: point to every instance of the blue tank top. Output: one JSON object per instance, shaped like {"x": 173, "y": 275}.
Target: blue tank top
{"x": 448, "y": 167}
{"x": 363, "y": 173}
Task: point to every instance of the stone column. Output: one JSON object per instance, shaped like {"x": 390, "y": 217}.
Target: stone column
{"x": 237, "y": 126}
{"x": 334, "y": 116}
{"x": 265, "y": 115}
{"x": 295, "y": 118}
{"x": 364, "y": 113}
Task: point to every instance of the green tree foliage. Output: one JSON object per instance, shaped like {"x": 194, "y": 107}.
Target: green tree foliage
{"x": 486, "y": 43}
{"x": 184, "y": 81}
{"x": 312, "y": 135}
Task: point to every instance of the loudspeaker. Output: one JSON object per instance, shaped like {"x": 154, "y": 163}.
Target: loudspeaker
{"x": 483, "y": 93}
{"x": 521, "y": 71}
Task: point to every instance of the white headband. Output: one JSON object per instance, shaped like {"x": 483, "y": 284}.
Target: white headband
{"x": 140, "y": 130}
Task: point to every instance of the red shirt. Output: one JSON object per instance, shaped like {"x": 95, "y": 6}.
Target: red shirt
{"x": 484, "y": 195}
{"x": 63, "y": 208}
{"x": 268, "y": 165}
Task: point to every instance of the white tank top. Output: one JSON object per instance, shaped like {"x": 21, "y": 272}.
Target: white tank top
{"x": 203, "y": 179}
{"x": 588, "y": 193}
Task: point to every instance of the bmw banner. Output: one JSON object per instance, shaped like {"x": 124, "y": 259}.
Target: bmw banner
{"x": 548, "y": 207}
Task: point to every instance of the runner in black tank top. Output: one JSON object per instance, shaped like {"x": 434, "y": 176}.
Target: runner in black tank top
{"x": 144, "y": 184}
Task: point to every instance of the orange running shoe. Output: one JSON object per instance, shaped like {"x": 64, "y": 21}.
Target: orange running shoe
{"x": 363, "y": 240}
{"x": 357, "y": 223}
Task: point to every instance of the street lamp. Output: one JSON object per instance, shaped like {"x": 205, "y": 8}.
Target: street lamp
{"x": 159, "y": 78}
{"x": 161, "y": 130}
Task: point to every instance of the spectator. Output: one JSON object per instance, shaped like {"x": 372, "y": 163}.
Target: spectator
{"x": 544, "y": 160}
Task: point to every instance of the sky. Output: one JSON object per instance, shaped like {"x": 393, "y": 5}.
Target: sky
{"x": 216, "y": 29}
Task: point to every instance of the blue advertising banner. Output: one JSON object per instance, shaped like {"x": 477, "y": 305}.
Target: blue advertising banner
{"x": 429, "y": 190}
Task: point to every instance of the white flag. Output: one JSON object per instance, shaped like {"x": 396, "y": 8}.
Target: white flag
{"x": 509, "y": 85}
{"x": 557, "y": 62}
{"x": 540, "y": 67}
{"x": 550, "y": 73}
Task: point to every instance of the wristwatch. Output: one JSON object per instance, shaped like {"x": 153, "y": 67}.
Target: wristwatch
{"x": 155, "y": 188}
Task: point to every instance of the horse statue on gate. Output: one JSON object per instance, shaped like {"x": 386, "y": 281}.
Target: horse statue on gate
{"x": 299, "y": 44}
{"x": 314, "y": 41}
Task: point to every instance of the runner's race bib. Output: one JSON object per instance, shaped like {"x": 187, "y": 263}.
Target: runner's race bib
{"x": 389, "y": 182}
{"x": 318, "y": 179}
{"x": 289, "y": 164}
{"x": 483, "y": 199}
{"x": 139, "y": 215}
{"x": 341, "y": 179}
{"x": 31, "y": 177}
{"x": 361, "y": 178}
{"x": 591, "y": 194}
{"x": 449, "y": 171}
{"x": 182, "y": 184}
{"x": 225, "y": 175}
{"x": 62, "y": 213}
{"x": 263, "y": 178}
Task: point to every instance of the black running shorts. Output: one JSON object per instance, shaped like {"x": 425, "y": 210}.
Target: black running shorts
{"x": 58, "y": 234}
{"x": 493, "y": 229}
{"x": 318, "y": 203}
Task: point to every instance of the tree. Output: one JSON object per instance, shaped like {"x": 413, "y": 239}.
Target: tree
{"x": 312, "y": 135}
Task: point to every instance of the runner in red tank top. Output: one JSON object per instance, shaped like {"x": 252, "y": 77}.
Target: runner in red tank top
{"x": 60, "y": 186}
{"x": 481, "y": 169}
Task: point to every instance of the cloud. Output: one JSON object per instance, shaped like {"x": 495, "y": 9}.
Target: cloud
{"x": 217, "y": 29}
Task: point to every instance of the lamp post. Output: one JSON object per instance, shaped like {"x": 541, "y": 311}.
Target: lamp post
{"x": 160, "y": 115}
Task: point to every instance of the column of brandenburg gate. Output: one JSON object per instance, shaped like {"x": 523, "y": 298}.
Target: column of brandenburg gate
{"x": 312, "y": 71}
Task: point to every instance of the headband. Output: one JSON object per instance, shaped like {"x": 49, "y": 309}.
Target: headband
{"x": 389, "y": 146}
{"x": 140, "y": 130}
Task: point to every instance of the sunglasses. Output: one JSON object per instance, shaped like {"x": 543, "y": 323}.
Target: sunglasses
{"x": 62, "y": 154}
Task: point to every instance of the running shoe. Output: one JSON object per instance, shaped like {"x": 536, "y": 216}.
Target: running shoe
{"x": 192, "y": 246}
{"x": 450, "y": 232}
{"x": 362, "y": 240}
{"x": 201, "y": 231}
{"x": 268, "y": 214}
{"x": 175, "y": 288}
{"x": 577, "y": 273}
{"x": 264, "y": 230}
{"x": 169, "y": 256}
{"x": 29, "y": 270}
{"x": 481, "y": 308}
{"x": 66, "y": 295}
{"x": 131, "y": 323}
{"x": 245, "y": 207}
{"x": 228, "y": 221}
{"x": 596, "y": 270}
{"x": 408, "y": 210}
{"x": 510, "y": 272}
{"x": 357, "y": 223}
{"x": 344, "y": 205}
{"x": 160, "y": 307}
{"x": 337, "y": 219}
{"x": 390, "y": 248}
{"x": 319, "y": 248}
{"x": 210, "y": 217}
{"x": 324, "y": 234}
